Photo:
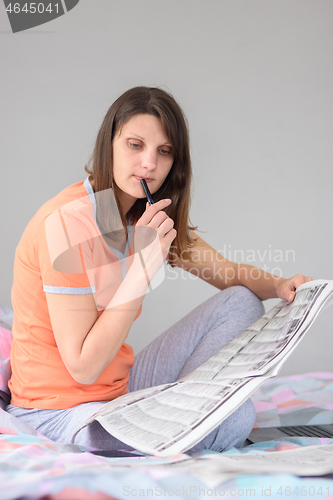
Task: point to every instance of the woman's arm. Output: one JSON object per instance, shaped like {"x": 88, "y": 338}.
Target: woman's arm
{"x": 222, "y": 273}
{"x": 87, "y": 342}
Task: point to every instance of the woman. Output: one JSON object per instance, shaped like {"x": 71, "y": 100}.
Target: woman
{"x": 80, "y": 278}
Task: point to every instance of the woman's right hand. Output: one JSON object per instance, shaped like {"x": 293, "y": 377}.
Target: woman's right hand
{"x": 154, "y": 222}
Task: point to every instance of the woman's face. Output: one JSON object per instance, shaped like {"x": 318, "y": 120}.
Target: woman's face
{"x": 141, "y": 150}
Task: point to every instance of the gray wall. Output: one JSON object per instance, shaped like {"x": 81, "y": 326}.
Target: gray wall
{"x": 255, "y": 79}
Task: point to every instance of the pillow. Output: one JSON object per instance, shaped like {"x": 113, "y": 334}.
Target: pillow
{"x": 6, "y": 317}
{"x": 5, "y": 368}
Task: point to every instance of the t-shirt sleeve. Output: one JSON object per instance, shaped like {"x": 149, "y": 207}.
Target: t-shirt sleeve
{"x": 64, "y": 254}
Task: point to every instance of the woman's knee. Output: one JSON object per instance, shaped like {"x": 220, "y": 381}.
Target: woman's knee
{"x": 245, "y": 417}
{"x": 236, "y": 428}
{"x": 248, "y": 302}
{"x": 232, "y": 432}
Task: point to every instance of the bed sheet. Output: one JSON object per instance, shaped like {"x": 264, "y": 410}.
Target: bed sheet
{"x": 32, "y": 466}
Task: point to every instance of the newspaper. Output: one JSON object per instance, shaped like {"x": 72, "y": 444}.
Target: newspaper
{"x": 214, "y": 469}
{"x": 303, "y": 461}
{"x": 169, "y": 419}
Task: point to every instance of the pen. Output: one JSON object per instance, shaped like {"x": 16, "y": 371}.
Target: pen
{"x": 145, "y": 187}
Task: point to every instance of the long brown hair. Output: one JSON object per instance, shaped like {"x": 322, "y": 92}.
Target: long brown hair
{"x": 157, "y": 102}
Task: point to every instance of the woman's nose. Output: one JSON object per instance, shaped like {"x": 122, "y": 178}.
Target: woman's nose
{"x": 149, "y": 159}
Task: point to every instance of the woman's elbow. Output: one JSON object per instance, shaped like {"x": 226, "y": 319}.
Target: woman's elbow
{"x": 82, "y": 376}
{"x": 83, "y": 379}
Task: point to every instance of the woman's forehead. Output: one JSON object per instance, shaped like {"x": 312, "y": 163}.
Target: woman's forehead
{"x": 144, "y": 126}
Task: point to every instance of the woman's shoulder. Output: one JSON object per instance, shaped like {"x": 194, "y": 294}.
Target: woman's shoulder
{"x": 70, "y": 204}
{"x": 70, "y": 199}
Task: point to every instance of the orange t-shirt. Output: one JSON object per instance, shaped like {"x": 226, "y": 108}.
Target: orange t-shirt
{"x": 62, "y": 251}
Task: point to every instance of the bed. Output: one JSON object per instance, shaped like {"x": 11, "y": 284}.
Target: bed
{"x": 32, "y": 466}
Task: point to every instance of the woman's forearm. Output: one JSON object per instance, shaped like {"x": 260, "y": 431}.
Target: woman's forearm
{"x": 103, "y": 341}
{"x": 260, "y": 282}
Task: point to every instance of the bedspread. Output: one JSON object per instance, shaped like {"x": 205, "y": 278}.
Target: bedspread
{"x": 32, "y": 466}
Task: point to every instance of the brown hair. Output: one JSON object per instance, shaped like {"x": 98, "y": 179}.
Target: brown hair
{"x": 157, "y": 102}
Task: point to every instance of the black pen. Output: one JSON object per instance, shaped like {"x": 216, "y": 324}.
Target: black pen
{"x": 146, "y": 190}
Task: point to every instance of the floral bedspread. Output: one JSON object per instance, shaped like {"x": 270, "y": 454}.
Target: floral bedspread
{"x": 32, "y": 466}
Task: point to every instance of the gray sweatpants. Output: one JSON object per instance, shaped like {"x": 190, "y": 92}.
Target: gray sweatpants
{"x": 175, "y": 353}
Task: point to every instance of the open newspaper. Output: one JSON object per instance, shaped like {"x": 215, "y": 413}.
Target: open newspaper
{"x": 168, "y": 419}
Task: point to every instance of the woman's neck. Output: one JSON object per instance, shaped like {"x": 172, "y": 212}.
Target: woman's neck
{"x": 126, "y": 201}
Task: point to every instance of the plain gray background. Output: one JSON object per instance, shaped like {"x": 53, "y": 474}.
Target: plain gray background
{"x": 255, "y": 80}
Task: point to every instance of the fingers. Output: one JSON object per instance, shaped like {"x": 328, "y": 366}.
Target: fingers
{"x": 288, "y": 287}
{"x": 154, "y": 218}
{"x": 169, "y": 234}
{"x": 299, "y": 279}
{"x": 172, "y": 235}
{"x": 290, "y": 296}
{"x": 294, "y": 283}
{"x": 160, "y": 220}
{"x": 166, "y": 242}
{"x": 166, "y": 232}
{"x": 152, "y": 210}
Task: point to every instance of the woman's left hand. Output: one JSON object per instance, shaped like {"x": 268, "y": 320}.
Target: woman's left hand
{"x": 286, "y": 288}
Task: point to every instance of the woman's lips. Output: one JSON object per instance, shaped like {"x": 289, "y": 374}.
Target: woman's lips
{"x": 147, "y": 179}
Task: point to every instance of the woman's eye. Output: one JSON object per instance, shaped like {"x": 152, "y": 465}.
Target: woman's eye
{"x": 135, "y": 145}
{"x": 165, "y": 151}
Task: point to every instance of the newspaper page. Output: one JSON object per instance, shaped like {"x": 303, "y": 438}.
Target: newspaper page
{"x": 122, "y": 402}
{"x": 173, "y": 417}
{"x": 303, "y": 461}
{"x": 267, "y": 342}
{"x": 169, "y": 419}
{"x": 215, "y": 469}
